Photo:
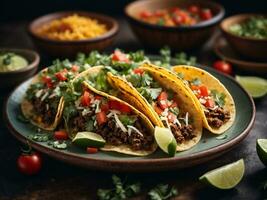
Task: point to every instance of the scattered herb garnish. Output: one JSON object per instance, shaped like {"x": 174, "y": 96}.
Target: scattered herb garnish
{"x": 196, "y": 81}
{"x": 58, "y": 144}
{"x": 41, "y": 137}
{"x": 162, "y": 192}
{"x": 183, "y": 59}
{"x": 218, "y": 97}
{"x": 120, "y": 191}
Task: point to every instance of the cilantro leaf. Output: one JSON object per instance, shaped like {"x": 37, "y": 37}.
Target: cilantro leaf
{"x": 183, "y": 59}
{"x": 218, "y": 97}
{"x": 195, "y": 81}
{"x": 162, "y": 192}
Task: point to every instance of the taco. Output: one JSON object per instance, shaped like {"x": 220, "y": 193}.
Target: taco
{"x": 43, "y": 102}
{"x": 214, "y": 102}
{"x": 213, "y": 99}
{"x": 164, "y": 102}
{"x": 124, "y": 128}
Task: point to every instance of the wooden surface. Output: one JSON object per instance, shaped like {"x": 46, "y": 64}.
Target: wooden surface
{"x": 58, "y": 180}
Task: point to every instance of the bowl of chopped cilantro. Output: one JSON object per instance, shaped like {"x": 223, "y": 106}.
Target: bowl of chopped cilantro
{"x": 247, "y": 34}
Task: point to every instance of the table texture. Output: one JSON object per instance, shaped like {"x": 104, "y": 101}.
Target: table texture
{"x": 58, "y": 180}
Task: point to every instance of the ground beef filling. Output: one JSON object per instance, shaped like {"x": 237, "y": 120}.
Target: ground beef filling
{"x": 114, "y": 135}
{"x": 43, "y": 109}
{"x": 182, "y": 133}
{"x": 216, "y": 118}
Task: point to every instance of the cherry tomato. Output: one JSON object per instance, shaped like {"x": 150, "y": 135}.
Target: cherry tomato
{"x": 91, "y": 150}
{"x": 101, "y": 118}
{"x": 204, "y": 92}
{"x": 61, "y": 135}
{"x": 206, "y": 14}
{"x": 75, "y": 68}
{"x": 223, "y": 66}
{"x": 29, "y": 163}
{"x": 158, "y": 110}
{"x": 48, "y": 81}
{"x": 145, "y": 14}
{"x": 61, "y": 76}
{"x": 209, "y": 103}
{"x": 119, "y": 56}
{"x": 180, "y": 18}
{"x": 171, "y": 117}
{"x": 116, "y": 105}
{"x": 138, "y": 71}
{"x": 194, "y": 9}
{"x": 85, "y": 100}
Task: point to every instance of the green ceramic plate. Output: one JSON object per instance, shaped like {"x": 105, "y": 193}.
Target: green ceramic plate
{"x": 209, "y": 147}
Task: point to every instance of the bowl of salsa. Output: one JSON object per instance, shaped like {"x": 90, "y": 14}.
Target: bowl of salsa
{"x": 17, "y": 65}
{"x": 180, "y": 24}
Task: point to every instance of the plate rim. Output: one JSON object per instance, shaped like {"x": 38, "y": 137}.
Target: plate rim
{"x": 116, "y": 165}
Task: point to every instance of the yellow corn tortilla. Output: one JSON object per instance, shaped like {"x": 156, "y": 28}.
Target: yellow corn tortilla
{"x": 132, "y": 96}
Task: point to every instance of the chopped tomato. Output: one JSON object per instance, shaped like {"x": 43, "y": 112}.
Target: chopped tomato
{"x": 163, "y": 104}
{"x": 204, "y": 91}
{"x": 61, "y": 135}
{"x": 194, "y": 9}
{"x": 61, "y": 76}
{"x": 119, "y": 56}
{"x": 175, "y": 9}
{"x": 209, "y": 103}
{"x": 75, "y": 68}
{"x": 48, "y": 81}
{"x": 104, "y": 107}
{"x": 206, "y": 14}
{"x": 178, "y": 19}
{"x": 85, "y": 100}
{"x": 174, "y": 104}
{"x": 171, "y": 117}
{"x": 98, "y": 97}
{"x": 158, "y": 110}
{"x": 162, "y": 96}
{"x": 91, "y": 150}
{"x": 101, "y": 118}
{"x": 194, "y": 87}
{"x": 116, "y": 105}
{"x": 159, "y": 13}
{"x": 138, "y": 71}
{"x": 146, "y": 14}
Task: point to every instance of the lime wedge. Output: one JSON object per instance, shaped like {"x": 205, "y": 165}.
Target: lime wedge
{"x": 225, "y": 177}
{"x": 255, "y": 86}
{"x": 262, "y": 150}
{"x": 165, "y": 140}
{"x": 88, "y": 139}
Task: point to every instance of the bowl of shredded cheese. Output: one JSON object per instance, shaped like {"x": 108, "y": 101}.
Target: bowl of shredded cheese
{"x": 64, "y": 34}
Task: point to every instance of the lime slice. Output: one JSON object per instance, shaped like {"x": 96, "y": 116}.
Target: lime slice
{"x": 262, "y": 150}
{"x": 88, "y": 139}
{"x": 255, "y": 86}
{"x": 165, "y": 140}
{"x": 225, "y": 177}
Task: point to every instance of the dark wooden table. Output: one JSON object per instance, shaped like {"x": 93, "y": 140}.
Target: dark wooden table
{"x": 58, "y": 180}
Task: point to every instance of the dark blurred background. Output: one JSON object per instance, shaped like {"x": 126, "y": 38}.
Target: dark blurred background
{"x": 11, "y": 10}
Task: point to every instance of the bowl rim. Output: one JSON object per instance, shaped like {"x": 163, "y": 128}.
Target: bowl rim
{"x": 110, "y": 33}
{"x": 30, "y": 66}
{"x": 214, "y": 20}
{"x": 245, "y": 16}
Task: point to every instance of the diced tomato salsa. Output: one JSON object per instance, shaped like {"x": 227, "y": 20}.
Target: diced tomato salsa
{"x": 176, "y": 16}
